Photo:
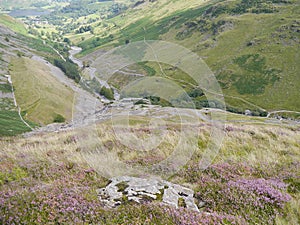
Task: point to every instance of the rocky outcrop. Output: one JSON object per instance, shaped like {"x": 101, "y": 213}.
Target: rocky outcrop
{"x": 139, "y": 190}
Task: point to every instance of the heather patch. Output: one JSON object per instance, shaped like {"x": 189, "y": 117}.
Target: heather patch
{"x": 44, "y": 180}
{"x": 236, "y": 190}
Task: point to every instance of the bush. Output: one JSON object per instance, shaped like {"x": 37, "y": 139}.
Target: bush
{"x": 15, "y": 174}
{"x": 159, "y": 101}
{"x": 59, "y": 119}
{"x": 107, "y": 93}
{"x": 20, "y": 54}
{"x": 196, "y": 92}
{"x": 6, "y": 88}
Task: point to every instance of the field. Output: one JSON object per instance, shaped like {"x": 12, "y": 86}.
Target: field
{"x": 41, "y": 96}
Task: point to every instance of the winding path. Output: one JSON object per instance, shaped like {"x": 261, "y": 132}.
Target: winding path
{"x": 15, "y": 101}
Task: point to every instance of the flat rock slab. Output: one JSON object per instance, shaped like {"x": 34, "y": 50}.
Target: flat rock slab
{"x": 135, "y": 189}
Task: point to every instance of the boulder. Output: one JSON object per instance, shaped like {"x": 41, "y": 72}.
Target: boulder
{"x": 248, "y": 112}
{"x": 139, "y": 190}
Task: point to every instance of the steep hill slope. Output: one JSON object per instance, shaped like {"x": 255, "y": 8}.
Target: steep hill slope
{"x": 32, "y": 81}
{"x": 252, "y": 46}
{"x": 39, "y": 93}
{"x": 10, "y": 121}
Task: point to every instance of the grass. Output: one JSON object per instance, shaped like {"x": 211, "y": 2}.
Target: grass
{"x": 144, "y": 27}
{"x": 16, "y": 175}
{"x": 251, "y": 157}
{"x": 38, "y": 46}
{"x": 287, "y": 115}
{"x": 40, "y": 95}
{"x": 11, "y": 124}
{"x": 122, "y": 186}
{"x": 264, "y": 88}
{"x": 76, "y": 39}
{"x": 149, "y": 70}
{"x": 13, "y": 24}
{"x": 255, "y": 74}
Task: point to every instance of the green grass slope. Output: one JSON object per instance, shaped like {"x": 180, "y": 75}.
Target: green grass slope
{"x": 13, "y": 24}
{"x": 21, "y": 4}
{"x": 38, "y": 93}
{"x": 11, "y": 124}
{"x": 252, "y": 46}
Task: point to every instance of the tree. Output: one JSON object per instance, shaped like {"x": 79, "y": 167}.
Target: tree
{"x": 196, "y": 92}
{"x": 67, "y": 40}
{"x": 69, "y": 68}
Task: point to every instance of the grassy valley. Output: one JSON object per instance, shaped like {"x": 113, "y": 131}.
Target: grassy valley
{"x": 262, "y": 35}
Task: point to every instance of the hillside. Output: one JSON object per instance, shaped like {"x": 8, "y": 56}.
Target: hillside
{"x": 10, "y": 121}
{"x": 260, "y": 40}
{"x": 37, "y": 95}
{"x": 259, "y": 66}
{"x": 93, "y": 136}
{"x": 253, "y": 180}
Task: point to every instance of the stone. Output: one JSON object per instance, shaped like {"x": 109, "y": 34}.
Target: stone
{"x": 248, "y": 112}
{"x": 138, "y": 189}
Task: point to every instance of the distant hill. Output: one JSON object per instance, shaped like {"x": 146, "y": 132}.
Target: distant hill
{"x": 252, "y": 46}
